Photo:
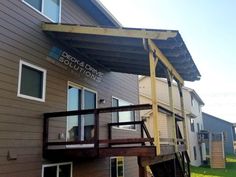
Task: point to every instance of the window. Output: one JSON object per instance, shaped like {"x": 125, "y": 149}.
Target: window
{"x": 127, "y": 116}
{"x": 57, "y": 170}
{"x": 32, "y": 82}
{"x": 117, "y": 167}
{"x": 194, "y": 153}
{"x": 192, "y": 124}
{"x": 80, "y": 127}
{"x": 49, "y": 8}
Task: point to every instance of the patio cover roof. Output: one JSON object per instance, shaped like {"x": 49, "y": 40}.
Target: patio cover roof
{"x": 122, "y": 49}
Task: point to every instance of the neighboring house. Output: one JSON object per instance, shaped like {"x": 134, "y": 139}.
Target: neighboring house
{"x": 69, "y": 101}
{"x": 234, "y": 132}
{"x": 216, "y": 125}
{"x": 192, "y": 105}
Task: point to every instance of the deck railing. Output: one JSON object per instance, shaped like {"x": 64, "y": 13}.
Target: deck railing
{"x": 96, "y": 113}
{"x": 144, "y": 138}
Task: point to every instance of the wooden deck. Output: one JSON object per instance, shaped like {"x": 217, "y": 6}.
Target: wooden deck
{"x": 142, "y": 146}
{"x": 78, "y": 153}
{"x": 72, "y": 153}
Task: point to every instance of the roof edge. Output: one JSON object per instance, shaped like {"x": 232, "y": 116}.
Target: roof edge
{"x": 196, "y": 96}
{"x": 214, "y": 117}
{"x": 106, "y": 12}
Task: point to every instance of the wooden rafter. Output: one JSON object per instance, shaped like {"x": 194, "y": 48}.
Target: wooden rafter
{"x": 119, "y": 32}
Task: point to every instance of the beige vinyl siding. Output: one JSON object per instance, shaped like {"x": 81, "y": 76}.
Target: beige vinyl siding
{"x": 163, "y": 100}
{"x": 164, "y": 122}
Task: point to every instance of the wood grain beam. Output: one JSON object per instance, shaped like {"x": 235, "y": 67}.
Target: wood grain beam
{"x": 119, "y": 32}
{"x": 165, "y": 61}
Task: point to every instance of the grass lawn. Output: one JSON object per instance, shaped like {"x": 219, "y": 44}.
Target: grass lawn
{"x": 206, "y": 171}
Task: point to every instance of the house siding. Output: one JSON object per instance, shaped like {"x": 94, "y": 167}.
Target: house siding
{"x": 217, "y": 125}
{"x": 21, "y": 120}
{"x": 165, "y": 122}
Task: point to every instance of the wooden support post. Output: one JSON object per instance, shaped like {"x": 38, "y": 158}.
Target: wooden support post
{"x": 109, "y": 134}
{"x": 142, "y": 131}
{"x": 96, "y": 131}
{"x": 153, "y": 63}
{"x": 45, "y": 132}
{"x": 183, "y": 161}
{"x": 142, "y": 170}
{"x": 183, "y": 114}
{"x": 174, "y": 161}
{"x": 170, "y": 90}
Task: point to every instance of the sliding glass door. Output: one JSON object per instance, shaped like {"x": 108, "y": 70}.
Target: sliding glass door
{"x": 80, "y": 128}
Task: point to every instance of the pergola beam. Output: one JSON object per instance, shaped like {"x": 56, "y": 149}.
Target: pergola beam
{"x": 165, "y": 61}
{"x": 115, "y": 32}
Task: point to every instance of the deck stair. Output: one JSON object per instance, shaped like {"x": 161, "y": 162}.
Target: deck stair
{"x": 217, "y": 151}
{"x": 175, "y": 165}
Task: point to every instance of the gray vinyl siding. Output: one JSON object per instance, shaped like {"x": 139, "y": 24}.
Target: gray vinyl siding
{"x": 93, "y": 168}
{"x": 71, "y": 13}
{"x": 217, "y": 125}
{"x": 21, "y": 121}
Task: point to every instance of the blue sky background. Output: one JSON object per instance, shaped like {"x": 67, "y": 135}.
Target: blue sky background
{"x": 208, "y": 28}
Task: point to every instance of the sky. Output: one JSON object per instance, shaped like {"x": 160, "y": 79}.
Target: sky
{"x": 208, "y": 28}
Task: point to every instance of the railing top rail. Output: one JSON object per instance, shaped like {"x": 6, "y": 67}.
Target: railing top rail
{"x": 98, "y": 110}
{"x": 125, "y": 123}
{"x": 110, "y": 109}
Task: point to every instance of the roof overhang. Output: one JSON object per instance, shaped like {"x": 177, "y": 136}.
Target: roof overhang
{"x": 98, "y": 12}
{"x": 194, "y": 93}
{"x": 122, "y": 49}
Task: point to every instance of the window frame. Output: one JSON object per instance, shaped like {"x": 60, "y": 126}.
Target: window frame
{"x": 123, "y": 128}
{"x": 118, "y": 158}
{"x": 57, "y": 165}
{"x": 44, "y": 72}
{"x": 42, "y": 10}
{"x": 83, "y": 89}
